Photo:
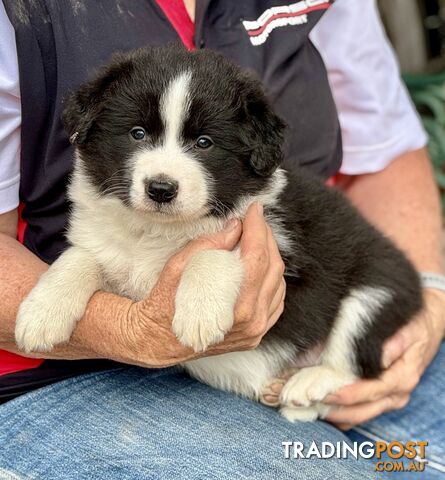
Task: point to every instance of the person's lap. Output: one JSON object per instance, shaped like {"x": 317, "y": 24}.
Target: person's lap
{"x": 136, "y": 424}
{"x": 132, "y": 423}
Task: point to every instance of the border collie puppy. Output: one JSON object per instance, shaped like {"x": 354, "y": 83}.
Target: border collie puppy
{"x": 170, "y": 145}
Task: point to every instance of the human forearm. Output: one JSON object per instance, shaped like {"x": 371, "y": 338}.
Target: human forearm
{"x": 403, "y": 202}
{"x": 140, "y": 333}
{"x": 94, "y": 336}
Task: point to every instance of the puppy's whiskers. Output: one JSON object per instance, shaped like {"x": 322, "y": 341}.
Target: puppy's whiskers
{"x": 117, "y": 189}
{"x": 112, "y": 178}
{"x": 219, "y": 207}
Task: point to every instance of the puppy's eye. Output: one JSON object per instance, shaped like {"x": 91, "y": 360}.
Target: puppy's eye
{"x": 203, "y": 142}
{"x": 138, "y": 133}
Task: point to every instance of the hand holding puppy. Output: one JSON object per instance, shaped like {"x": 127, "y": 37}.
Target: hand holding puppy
{"x": 406, "y": 355}
{"x": 146, "y": 335}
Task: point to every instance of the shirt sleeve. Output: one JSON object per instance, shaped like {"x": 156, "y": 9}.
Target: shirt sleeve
{"x": 377, "y": 118}
{"x": 10, "y": 116}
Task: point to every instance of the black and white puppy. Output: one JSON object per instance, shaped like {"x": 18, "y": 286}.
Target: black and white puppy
{"x": 169, "y": 146}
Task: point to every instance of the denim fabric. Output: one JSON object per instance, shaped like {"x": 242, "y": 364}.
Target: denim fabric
{"x": 134, "y": 424}
{"x": 423, "y": 419}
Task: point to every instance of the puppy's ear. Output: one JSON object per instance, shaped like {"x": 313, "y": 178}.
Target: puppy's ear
{"x": 83, "y": 106}
{"x": 267, "y": 131}
{"x": 79, "y": 113}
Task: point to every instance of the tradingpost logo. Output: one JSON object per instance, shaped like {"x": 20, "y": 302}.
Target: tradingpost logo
{"x": 389, "y": 457}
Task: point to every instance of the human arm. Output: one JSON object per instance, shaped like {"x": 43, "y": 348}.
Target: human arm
{"x": 403, "y": 202}
{"x": 109, "y": 318}
{"x": 139, "y": 333}
{"x": 387, "y": 174}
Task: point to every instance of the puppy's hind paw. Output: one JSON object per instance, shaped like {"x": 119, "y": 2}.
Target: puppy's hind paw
{"x": 312, "y": 384}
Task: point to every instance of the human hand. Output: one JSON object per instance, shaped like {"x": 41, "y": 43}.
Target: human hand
{"x": 405, "y": 357}
{"x": 146, "y": 335}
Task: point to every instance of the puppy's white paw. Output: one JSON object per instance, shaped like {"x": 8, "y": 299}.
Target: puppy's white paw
{"x": 305, "y": 414}
{"x": 206, "y": 298}
{"x": 299, "y": 414}
{"x": 312, "y": 384}
{"x": 43, "y": 322}
{"x": 198, "y": 327}
{"x": 49, "y": 313}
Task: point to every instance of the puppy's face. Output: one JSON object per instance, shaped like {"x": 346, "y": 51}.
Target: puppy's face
{"x": 180, "y": 135}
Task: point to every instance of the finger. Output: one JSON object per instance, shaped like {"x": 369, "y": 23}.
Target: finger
{"x": 225, "y": 239}
{"x": 399, "y": 378}
{"x": 274, "y": 317}
{"x": 395, "y": 346}
{"x": 274, "y": 251}
{"x": 267, "y": 306}
{"x": 344, "y": 426}
{"x": 273, "y": 282}
{"x": 278, "y": 299}
{"x": 247, "y": 336}
{"x": 254, "y": 251}
{"x": 270, "y": 393}
{"x": 254, "y": 229}
{"x": 392, "y": 350}
{"x": 361, "y": 391}
{"x": 362, "y": 413}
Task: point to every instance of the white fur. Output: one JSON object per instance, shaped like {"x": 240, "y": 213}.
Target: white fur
{"x": 245, "y": 373}
{"x": 129, "y": 248}
{"x": 175, "y": 103}
{"x": 206, "y": 298}
{"x": 169, "y": 160}
{"x": 124, "y": 249}
{"x": 49, "y": 313}
{"x": 302, "y": 395}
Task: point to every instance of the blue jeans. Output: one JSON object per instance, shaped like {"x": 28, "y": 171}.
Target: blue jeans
{"x": 135, "y": 424}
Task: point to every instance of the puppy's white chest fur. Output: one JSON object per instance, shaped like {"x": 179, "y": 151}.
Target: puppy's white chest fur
{"x": 135, "y": 274}
{"x": 130, "y": 247}
{"x": 131, "y": 255}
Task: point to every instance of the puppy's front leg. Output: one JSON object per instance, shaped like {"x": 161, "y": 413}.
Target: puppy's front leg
{"x": 49, "y": 313}
{"x": 206, "y": 298}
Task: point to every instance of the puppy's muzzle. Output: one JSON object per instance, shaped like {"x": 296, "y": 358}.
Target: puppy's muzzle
{"x": 161, "y": 191}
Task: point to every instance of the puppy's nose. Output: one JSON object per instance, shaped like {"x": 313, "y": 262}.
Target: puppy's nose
{"x": 162, "y": 191}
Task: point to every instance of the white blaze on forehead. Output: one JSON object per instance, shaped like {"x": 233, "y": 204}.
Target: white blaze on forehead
{"x": 175, "y": 103}
{"x": 170, "y": 159}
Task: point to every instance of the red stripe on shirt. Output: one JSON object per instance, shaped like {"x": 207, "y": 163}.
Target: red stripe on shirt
{"x": 259, "y": 31}
{"x": 177, "y": 14}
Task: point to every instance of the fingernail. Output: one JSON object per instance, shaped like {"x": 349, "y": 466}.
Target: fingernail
{"x": 260, "y": 208}
{"x": 231, "y": 225}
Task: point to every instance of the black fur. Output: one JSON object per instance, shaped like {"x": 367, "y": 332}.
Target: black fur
{"x": 334, "y": 250}
{"x": 228, "y": 105}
